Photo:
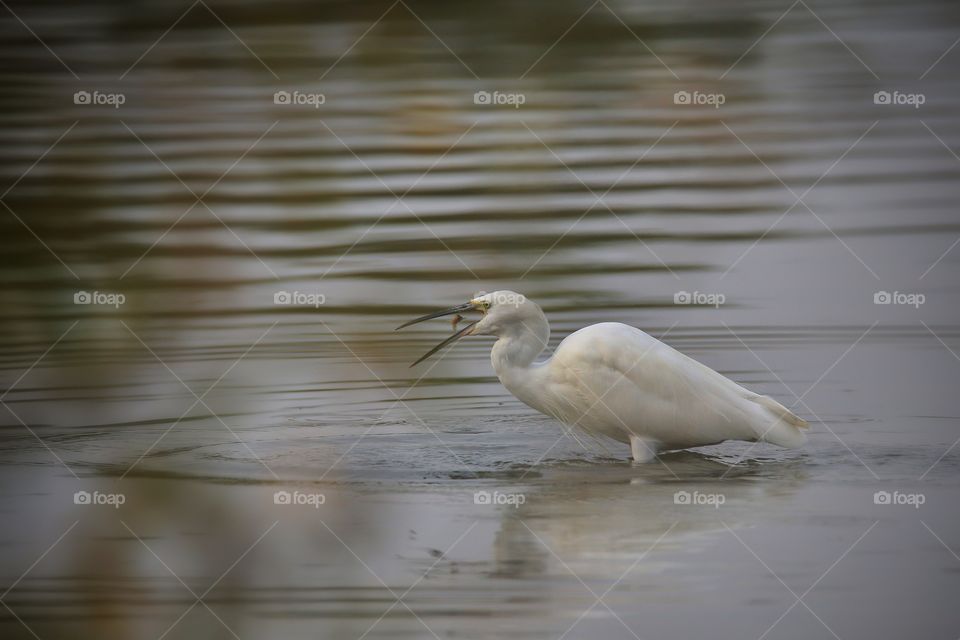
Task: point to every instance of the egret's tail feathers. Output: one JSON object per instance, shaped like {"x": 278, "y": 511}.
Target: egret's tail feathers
{"x": 785, "y": 429}
{"x": 781, "y": 411}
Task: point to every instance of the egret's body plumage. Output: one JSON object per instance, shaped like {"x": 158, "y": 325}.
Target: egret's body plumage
{"x": 614, "y": 380}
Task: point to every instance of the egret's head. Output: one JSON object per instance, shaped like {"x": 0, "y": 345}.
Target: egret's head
{"x": 504, "y": 311}
{"x": 500, "y": 312}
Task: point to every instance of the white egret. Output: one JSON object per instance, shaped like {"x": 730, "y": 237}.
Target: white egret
{"x": 614, "y": 380}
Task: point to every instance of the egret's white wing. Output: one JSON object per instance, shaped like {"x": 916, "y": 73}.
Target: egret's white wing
{"x": 619, "y": 374}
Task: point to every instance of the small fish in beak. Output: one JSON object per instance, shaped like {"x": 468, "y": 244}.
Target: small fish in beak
{"x": 455, "y": 312}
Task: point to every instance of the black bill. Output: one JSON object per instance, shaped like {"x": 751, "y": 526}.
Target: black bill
{"x": 467, "y": 306}
{"x": 453, "y": 338}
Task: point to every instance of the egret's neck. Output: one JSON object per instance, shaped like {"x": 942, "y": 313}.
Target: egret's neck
{"x": 519, "y": 344}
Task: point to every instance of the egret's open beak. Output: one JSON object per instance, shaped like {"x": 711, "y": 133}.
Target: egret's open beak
{"x": 467, "y": 306}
